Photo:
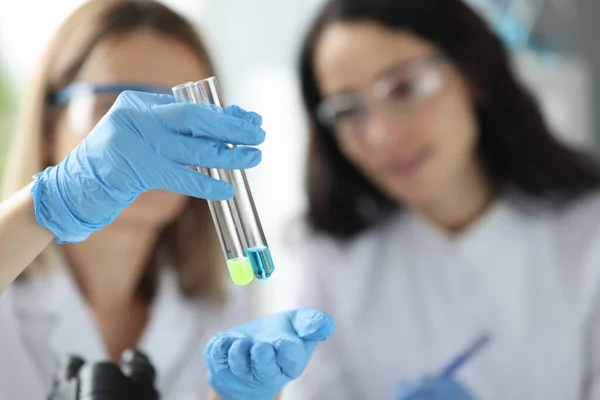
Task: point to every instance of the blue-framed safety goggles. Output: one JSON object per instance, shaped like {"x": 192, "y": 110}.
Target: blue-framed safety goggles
{"x": 89, "y": 102}
{"x": 73, "y": 90}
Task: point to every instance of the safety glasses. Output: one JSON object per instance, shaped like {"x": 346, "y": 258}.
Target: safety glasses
{"x": 89, "y": 102}
{"x": 400, "y": 91}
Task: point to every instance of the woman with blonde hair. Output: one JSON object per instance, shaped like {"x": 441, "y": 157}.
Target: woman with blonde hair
{"x": 152, "y": 279}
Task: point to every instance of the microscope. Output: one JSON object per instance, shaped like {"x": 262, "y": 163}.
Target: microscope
{"x": 131, "y": 379}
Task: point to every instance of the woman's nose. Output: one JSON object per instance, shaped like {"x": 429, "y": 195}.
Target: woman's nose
{"x": 386, "y": 127}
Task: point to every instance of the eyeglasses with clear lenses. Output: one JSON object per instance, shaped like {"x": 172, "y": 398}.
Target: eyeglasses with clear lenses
{"x": 400, "y": 91}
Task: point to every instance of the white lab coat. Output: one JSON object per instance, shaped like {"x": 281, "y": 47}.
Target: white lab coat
{"x": 407, "y": 299}
{"x": 45, "y": 318}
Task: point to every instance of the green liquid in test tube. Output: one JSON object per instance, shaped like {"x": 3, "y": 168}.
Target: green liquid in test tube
{"x": 238, "y": 226}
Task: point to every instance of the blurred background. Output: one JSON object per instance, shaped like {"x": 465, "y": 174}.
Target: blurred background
{"x": 255, "y": 44}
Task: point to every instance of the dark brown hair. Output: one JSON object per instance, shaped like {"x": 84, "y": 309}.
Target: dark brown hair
{"x": 515, "y": 145}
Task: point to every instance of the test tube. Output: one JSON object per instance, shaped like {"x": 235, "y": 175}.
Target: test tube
{"x": 238, "y": 226}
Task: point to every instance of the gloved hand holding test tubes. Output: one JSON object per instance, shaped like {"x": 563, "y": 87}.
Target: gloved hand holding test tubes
{"x": 238, "y": 225}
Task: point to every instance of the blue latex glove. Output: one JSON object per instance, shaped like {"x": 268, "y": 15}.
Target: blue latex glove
{"x": 255, "y": 361}
{"x": 441, "y": 388}
{"x": 146, "y": 141}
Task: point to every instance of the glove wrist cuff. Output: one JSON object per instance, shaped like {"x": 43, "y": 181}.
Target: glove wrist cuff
{"x": 54, "y": 211}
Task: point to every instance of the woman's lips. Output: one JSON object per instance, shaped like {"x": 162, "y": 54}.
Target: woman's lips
{"x": 407, "y": 165}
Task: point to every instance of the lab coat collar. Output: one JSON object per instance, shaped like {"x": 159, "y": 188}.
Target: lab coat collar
{"x": 498, "y": 222}
{"x": 174, "y": 328}
{"x": 173, "y": 325}
{"x": 12, "y": 362}
{"x": 75, "y": 331}
{"x": 52, "y": 298}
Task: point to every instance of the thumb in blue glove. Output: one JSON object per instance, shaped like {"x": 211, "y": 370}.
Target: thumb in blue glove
{"x": 255, "y": 361}
{"x": 440, "y": 388}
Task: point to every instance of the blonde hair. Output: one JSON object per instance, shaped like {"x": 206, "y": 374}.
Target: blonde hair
{"x": 189, "y": 244}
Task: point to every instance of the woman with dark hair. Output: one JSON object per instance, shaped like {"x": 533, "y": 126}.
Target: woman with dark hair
{"x": 440, "y": 207}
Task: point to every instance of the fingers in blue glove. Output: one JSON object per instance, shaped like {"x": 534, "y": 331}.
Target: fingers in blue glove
{"x": 186, "y": 181}
{"x": 129, "y": 96}
{"x": 292, "y": 356}
{"x": 202, "y": 121}
{"x": 282, "y": 345}
{"x": 218, "y": 350}
{"x": 449, "y": 388}
{"x": 245, "y": 360}
{"x": 143, "y": 99}
{"x": 429, "y": 388}
{"x": 206, "y": 152}
{"x": 313, "y": 324}
{"x": 312, "y": 327}
{"x": 238, "y": 358}
{"x": 239, "y": 112}
{"x": 264, "y": 364}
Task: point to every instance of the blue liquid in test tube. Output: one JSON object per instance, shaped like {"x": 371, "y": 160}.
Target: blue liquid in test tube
{"x": 262, "y": 263}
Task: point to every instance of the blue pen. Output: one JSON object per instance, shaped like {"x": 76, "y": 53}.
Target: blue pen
{"x": 465, "y": 356}
{"x": 453, "y": 366}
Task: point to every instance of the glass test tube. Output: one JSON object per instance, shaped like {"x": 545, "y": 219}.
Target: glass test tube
{"x": 238, "y": 225}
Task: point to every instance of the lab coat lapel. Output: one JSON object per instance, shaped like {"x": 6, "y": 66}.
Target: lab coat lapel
{"x": 498, "y": 227}
{"x": 491, "y": 228}
{"x": 174, "y": 327}
{"x": 13, "y": 364}
{"x": 75, "y": 331}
